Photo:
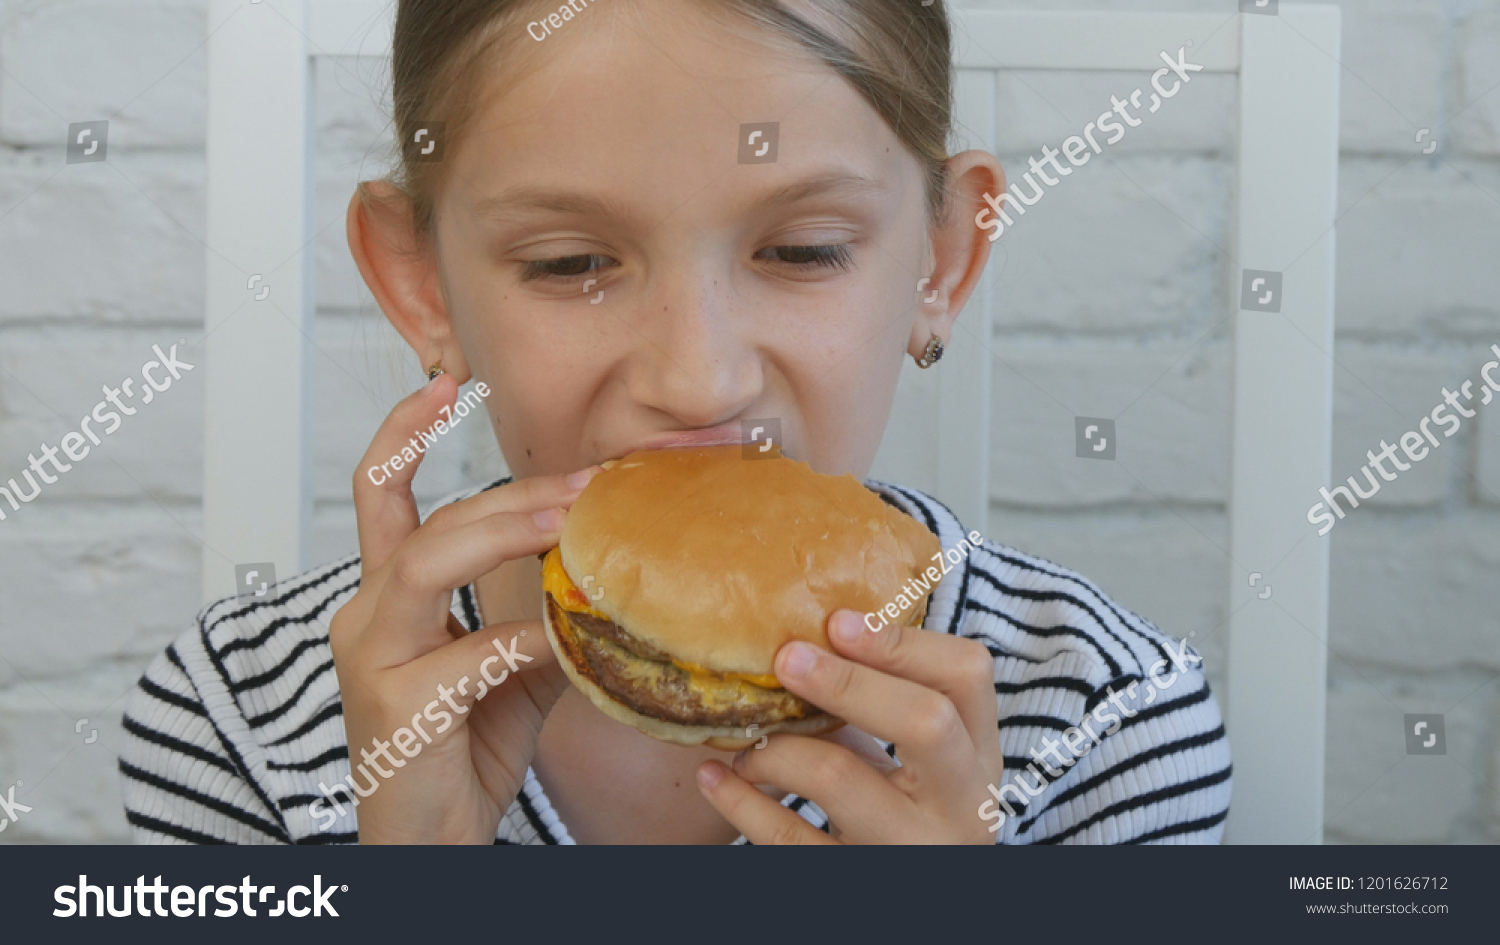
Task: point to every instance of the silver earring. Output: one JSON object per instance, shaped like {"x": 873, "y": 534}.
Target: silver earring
{"x": 933, "y": 354}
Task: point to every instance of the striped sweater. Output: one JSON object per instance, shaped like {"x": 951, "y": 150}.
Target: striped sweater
{"x": 232, "y": 730}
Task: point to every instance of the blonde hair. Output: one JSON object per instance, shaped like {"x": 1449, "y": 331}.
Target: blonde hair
{"x": 895, "y": 53}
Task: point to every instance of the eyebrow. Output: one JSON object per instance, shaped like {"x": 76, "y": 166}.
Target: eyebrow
{"x": 521, "y": 199}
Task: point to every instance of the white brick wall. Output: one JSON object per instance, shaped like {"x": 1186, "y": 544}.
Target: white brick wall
{"x": 1108, "y": 297}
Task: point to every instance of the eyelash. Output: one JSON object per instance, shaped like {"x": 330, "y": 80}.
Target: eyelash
{"x": 835, "y": 256}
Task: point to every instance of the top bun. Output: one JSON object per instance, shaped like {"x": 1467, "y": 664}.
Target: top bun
{"x": 719, "y": 559}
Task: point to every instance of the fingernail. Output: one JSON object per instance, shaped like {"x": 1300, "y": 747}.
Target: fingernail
{"x": 739, "y": 760}
{"x": 548, "y": 520}
{"x": 798, "y": 660}
{"x": 710, "y": 773}
{"x": 845, "y": 626}
{"x": 581, "y": 478}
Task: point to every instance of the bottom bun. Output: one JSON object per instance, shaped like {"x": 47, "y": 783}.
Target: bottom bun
{"x": 723, "y": 737}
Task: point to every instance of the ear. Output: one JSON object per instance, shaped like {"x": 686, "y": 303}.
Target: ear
{"x": 402, "y": 273}
{"x": 960, "y": 248}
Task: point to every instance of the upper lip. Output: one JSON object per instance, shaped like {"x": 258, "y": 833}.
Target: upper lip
{"x": 723, "y": 434}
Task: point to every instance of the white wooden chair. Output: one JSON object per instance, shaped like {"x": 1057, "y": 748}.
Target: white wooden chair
{"x": 257, "y": 449}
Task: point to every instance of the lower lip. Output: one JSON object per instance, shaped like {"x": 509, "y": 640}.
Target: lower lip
{"x": 700, "y": 438}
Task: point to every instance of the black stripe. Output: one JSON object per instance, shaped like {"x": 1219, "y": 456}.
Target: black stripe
{"x": 312, "y": 764}
{"x": 1139, "y": 801}
{"x": 175, "y": 659}
{"x": 324, "y": 714}
{"x": 534, "y": 818}
{"x": 166, "y": 741}
{"x": 275, "y": 672}
{"x": 269, "y": 602}
{"x": 1052, "y": 596}
{"x": 1134, "y": 761}
{"x": 501, "y": 842}
{"x": 1060, "y": 629}
{"x": 1191, "y": 826}
{"x": 329, "y": 711}
{"x": 1038, "y": 721}
{"x": 266, "y": 718}
{"x": 1062, "y": 574}
{"x": 318, "y": 839}
{"x": 1000, "y": 652}
{"x": 171, "y": 698}
{"x": 932, "y": 524}
{"x": 203, "y": 800}
{"x": 471, "y": 612}
{"x": 234, "y": 754}
{"x": 171, "y": 830}
{"x": 1118, "y": 685}
{"x": 241, "y": 643}
{"x": 1047, "y": 682}
{"x": 919, "y": 500}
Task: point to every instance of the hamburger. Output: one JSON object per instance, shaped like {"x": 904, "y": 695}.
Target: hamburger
{"x": 681, "y": 572}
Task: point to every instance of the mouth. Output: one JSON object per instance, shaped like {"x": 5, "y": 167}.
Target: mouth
{"x": 724, "y": 434}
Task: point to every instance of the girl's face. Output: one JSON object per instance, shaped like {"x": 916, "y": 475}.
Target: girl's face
{"x": 624, "y": 272}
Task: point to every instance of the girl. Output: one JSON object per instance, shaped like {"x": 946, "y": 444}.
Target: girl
{"x": 637, "y": 224}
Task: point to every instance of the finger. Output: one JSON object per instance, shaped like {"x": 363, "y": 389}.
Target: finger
{"x": 855, "y": 796}
{"x": 384, "y": 507}
{"x": 924, "y": 723}
{"x": 862, "y": 744}
{"x": 960, "y": 669}
{"x": 415, "y": 602}
{"x": 524, "y": 495}
{"x": 763, "y": 821}
{"x": 461, "y": 673}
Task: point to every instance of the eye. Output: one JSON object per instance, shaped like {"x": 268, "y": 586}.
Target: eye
{"x": 564, "y": 267}
{"x": 836, "y": 256}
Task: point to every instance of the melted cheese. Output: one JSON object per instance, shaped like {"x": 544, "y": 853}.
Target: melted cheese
{"x": 555, "y": 581}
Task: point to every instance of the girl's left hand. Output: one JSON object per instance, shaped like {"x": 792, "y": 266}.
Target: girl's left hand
{"x": 931, "y": 694}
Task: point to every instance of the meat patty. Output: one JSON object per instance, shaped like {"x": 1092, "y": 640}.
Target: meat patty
{"x": 644, "y": 679}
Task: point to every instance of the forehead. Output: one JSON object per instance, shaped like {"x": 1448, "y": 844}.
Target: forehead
{"x": 646, "y": 102}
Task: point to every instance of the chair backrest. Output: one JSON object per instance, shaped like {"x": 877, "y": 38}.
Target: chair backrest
{"x": 260, "y": 144}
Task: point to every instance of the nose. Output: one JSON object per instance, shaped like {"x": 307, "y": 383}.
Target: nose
{"x": 693, "y": 359}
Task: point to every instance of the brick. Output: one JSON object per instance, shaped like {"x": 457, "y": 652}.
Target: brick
{"x": 1380, "y": 393}
{"x": 1416, "y": 594}
{"x": 1416, "y": 247}
{"x": 1476, "y": 126}
{"x": 1112, "y": 249}
{"x": 141, "y": 64}
{"x": 1168, "y": 566}
{"x": 1374, "y": 791}
{"x": 1172, "y": 415}
{"x": 72, "y": 785}
{"x": 84, "y": 588}
{"x": 117, "y": 241}
{"x": 1391, "y": 84}
{"x": 1035, "y": 109}
{"x": 51, "y": 380}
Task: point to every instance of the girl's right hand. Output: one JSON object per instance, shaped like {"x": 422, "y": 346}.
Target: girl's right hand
{"x": 401, "y": 656}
